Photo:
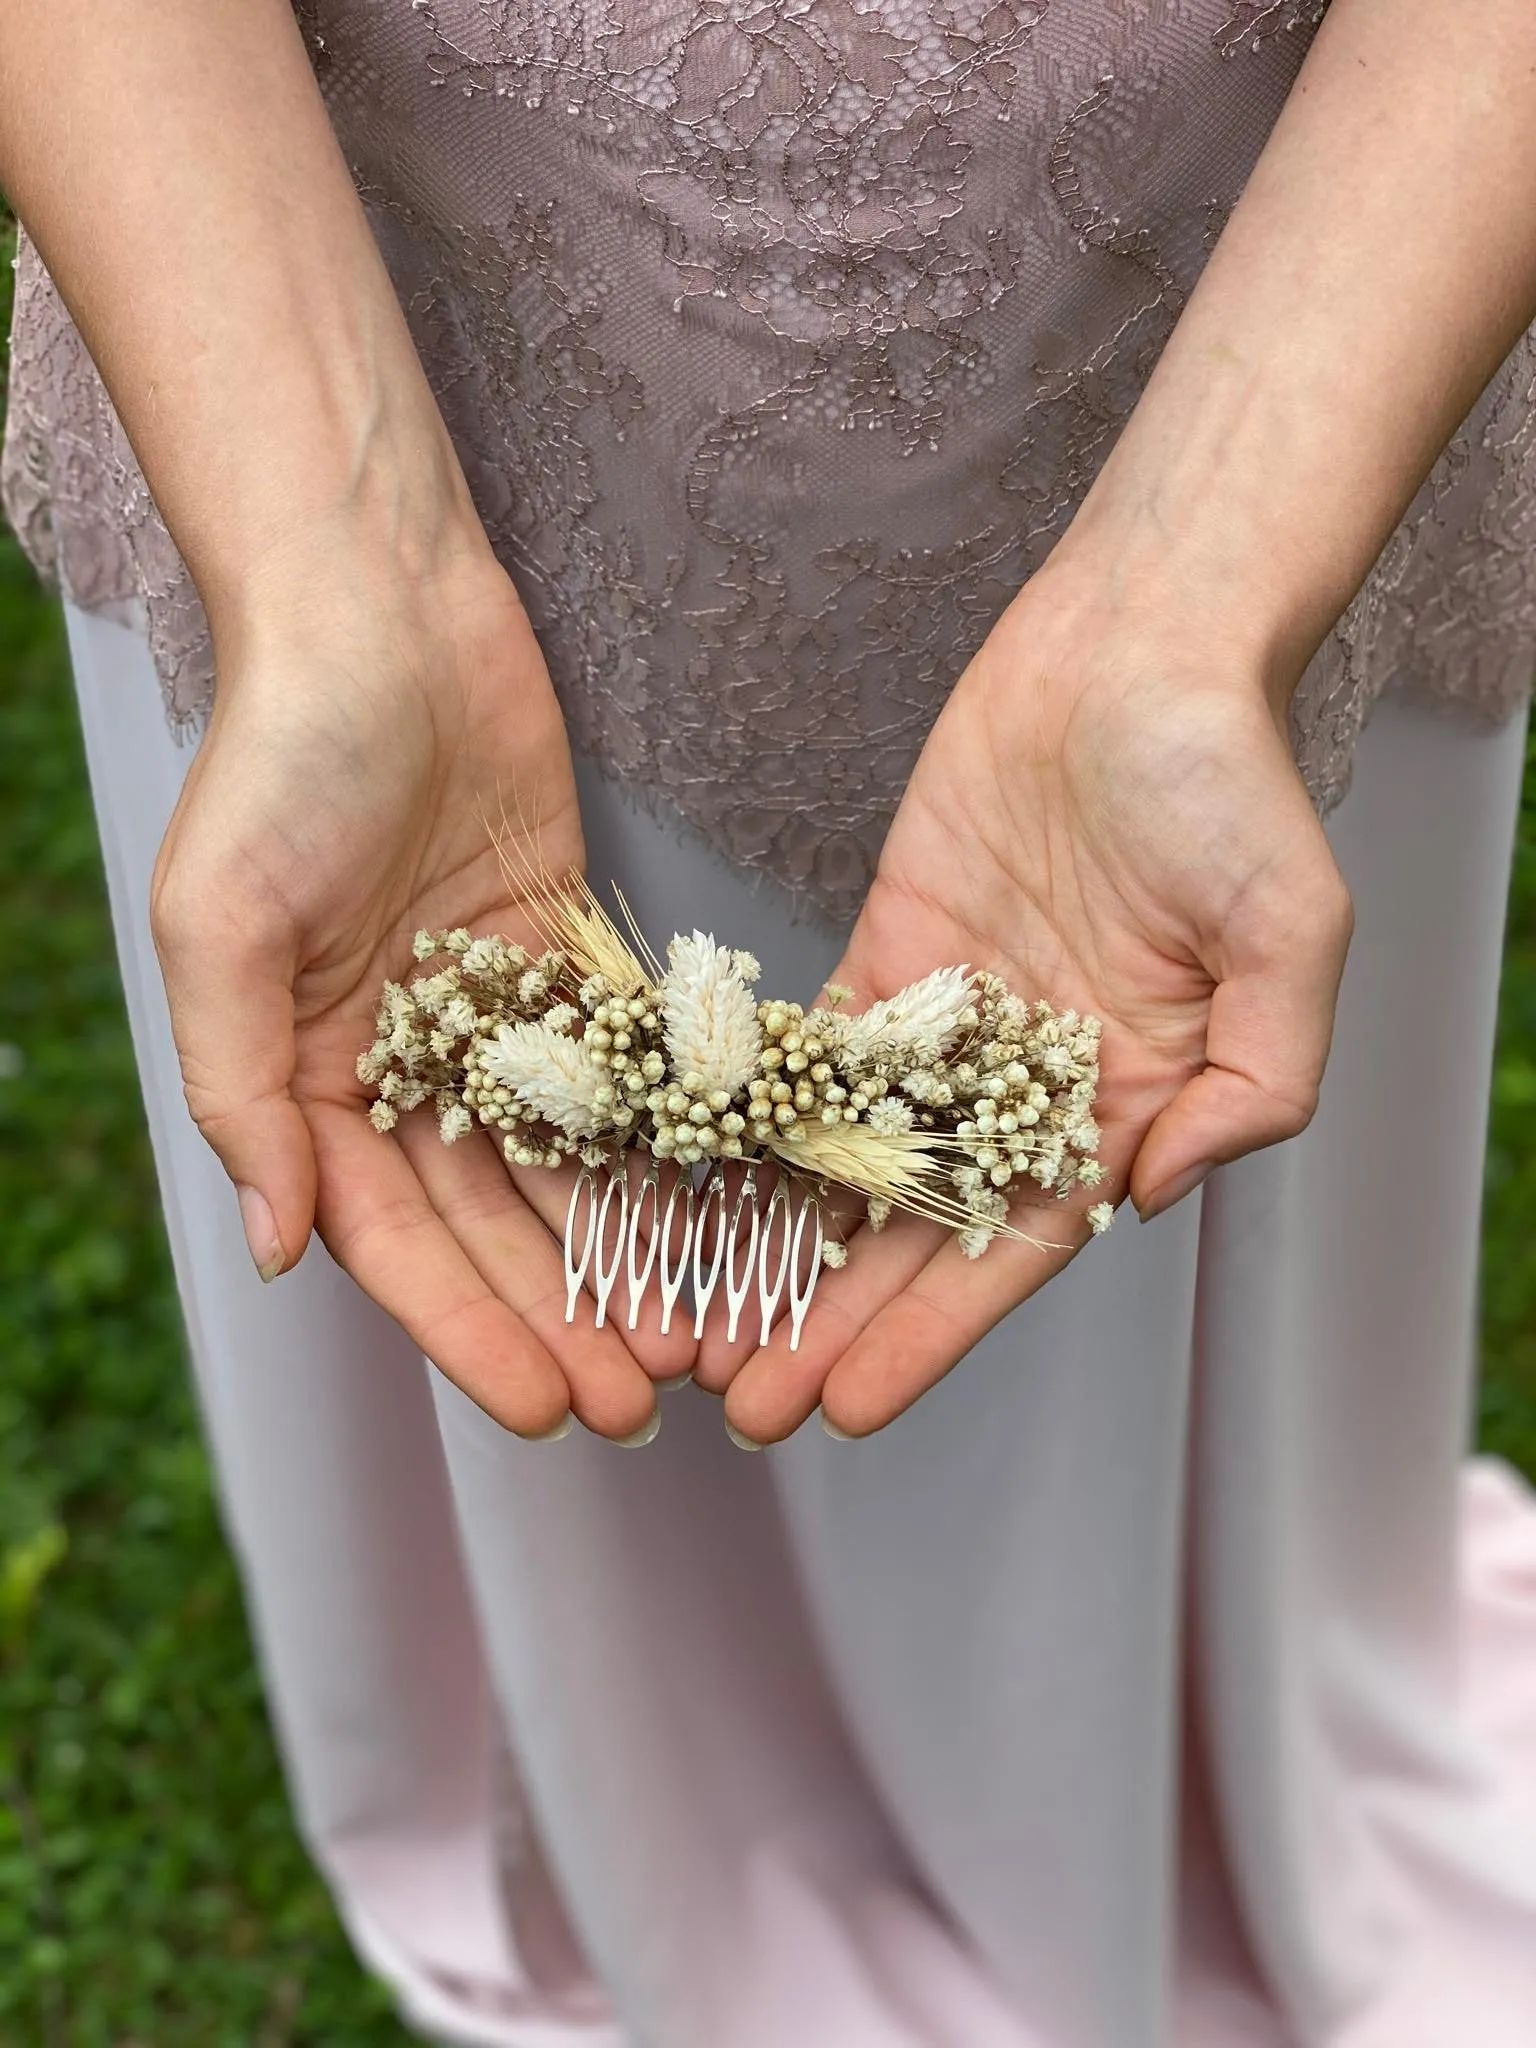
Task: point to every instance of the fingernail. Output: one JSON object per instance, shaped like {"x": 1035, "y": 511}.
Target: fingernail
{"x": 832, "y": 1429}
{"x": 679, "y": 1379}
{"x": 562, "y": 1428}
{"x": 742, "y": 1443}
{"x": 642, "y": 1435}
{"x": 261, "y": 1232}
{"x": 1176, "y": 1189}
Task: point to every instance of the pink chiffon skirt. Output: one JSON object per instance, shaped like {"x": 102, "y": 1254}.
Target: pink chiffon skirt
{"x": 1165, "y": 1679}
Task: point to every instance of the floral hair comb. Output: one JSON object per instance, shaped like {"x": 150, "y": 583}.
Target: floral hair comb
{"x": 680, "y": 1093}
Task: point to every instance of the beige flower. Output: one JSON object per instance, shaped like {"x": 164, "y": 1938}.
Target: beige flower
{"x": 547, "y": 1071}
{"x": 915, "y": 1026}
{"x": 709, "y": 1017}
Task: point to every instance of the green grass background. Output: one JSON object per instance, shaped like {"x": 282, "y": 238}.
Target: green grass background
{"x": 152, "y": 1891}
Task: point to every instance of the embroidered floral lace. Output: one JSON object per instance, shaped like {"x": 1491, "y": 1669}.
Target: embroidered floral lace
{"x": 780, "y": 339}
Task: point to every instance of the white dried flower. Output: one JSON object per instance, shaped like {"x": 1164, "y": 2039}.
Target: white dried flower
{"x": 454, "y": 1122}
{"x": 833, "y": 1253}
{"x": 1100, "y": 1217}
{"x": 433, "y": 990}
{"x": 709, "y": 1016}
{"x": 916, "y": 1025}
{"x": 382, "y": 1116}
{"x": 561, "y": 1016}
{"x": 1013, "y": 1015}
{"x": 457, "y": 1017}
{"x": 547, "y": 1071}
{"x": 482, "y": 955}
{"x": 974, "y": 1242}
{"x": 889, "y": 1115}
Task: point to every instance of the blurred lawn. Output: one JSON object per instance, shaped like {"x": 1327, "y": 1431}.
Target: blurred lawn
{"x": 152, "y": 1893}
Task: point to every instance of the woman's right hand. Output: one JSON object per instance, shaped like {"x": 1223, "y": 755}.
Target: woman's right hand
{"x": 367, "y": 724}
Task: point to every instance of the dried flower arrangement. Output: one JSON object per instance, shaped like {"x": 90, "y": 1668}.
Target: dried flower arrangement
{"x": 933, "y": 1101}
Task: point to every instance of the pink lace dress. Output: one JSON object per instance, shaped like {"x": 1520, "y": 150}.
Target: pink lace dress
{"x": 1164, "y": 1679}
{"x": 780, "y": 343}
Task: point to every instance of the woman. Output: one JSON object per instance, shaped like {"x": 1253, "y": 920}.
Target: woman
{"x": 1153, "y": 1679}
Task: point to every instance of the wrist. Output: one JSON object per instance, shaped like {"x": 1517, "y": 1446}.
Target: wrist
{"x": 1185, "y": 532}
{"x": 352, "y": 606}
{"x": 1120, "y": 586}
{"x": 380, "y": 504}
{"x": 1244, "y": 496}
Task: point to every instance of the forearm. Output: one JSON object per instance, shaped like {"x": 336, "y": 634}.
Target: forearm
{"x": 1378, "y": 268}
{"x": 175, "y": 165}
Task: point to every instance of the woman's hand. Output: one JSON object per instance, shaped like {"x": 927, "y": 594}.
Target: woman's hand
{"x": 1108, "y": 815}
{"x": 366, "y": 729}
{"x": 1107, "y": 811}
{"x": 379, "y": 688}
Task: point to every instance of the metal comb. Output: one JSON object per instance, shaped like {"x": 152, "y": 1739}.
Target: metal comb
{"x": 607, "y": 1234}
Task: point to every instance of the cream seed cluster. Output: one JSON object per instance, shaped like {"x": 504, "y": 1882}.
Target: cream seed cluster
{"x": 937, "y": 1100}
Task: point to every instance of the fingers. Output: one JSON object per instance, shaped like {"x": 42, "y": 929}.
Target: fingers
{"x": 379, "y": 1224}
{"x": 1267, "y": 1040}
{"x": 664, "y": 1357}
{"x": 890, "y": 1324}
{"x": 721, "y": 1357}
{"x": 776, "y": 1389}
{"x": 510, "y": 1242}
{"x": 925, "y": 1330}
{"x": 230, "y": 988}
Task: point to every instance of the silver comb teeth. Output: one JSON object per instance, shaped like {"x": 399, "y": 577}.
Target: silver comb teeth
{"x": 610, "y": 1230}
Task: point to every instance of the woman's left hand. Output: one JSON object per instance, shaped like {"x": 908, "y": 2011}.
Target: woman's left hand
{"x": 1108, "y": 815}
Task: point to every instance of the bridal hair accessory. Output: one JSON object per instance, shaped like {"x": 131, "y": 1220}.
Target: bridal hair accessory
{"x": 675, "y": 1087}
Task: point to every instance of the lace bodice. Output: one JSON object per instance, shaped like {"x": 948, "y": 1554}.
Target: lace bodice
{"x": 780, "y": 342}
